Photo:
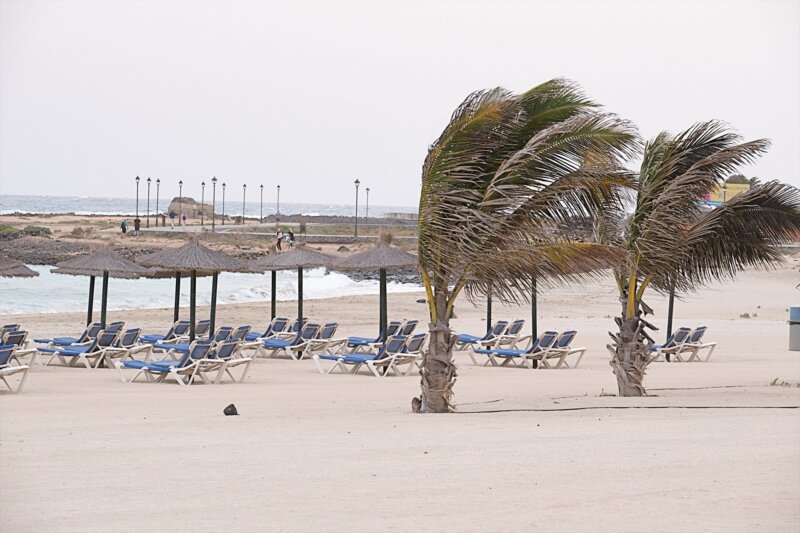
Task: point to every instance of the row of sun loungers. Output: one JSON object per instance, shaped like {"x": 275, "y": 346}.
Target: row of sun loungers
{"x": 685, "y": 346}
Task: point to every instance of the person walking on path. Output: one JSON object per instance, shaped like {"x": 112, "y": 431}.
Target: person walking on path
{"x": 124, "y": 226}
{"x": 172, "y": 218}
{"x": 279, "y": 235}
{"x": 291, "y": 239}
{"x": 137, "y": 225}
{"x": 183, "y": 219}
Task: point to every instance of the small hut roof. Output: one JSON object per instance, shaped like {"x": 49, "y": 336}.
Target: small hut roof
{"x": 11, "y": 268}
{"x": 300, "y": 257}
{"x": 99, "y": 262}
{"x": 192, "y": 256}
{"x": 377, "y": 258}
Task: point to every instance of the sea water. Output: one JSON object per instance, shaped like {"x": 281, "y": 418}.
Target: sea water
{"x": 127, "y": 206}
{"x": 56, "y": 293}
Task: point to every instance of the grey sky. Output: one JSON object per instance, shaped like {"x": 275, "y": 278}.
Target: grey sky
{"x": 314, "y": 95}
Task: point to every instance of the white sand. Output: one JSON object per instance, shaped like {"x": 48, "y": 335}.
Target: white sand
{"x": 80, "y": 451}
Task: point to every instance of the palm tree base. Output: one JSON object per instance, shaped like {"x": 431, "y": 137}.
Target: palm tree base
{"x": 630, "y": 359}
{"x": 438, "y": 373}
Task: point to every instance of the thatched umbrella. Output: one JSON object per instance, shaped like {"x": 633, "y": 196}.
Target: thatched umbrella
{"x": 106, "y": 263}
{"x": 11, "y": 268}
{"x": 194, "y": 259}
{"x": 382, "y": 257}
{"x": 299, "y": 258}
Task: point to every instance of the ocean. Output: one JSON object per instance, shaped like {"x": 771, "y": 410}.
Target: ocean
{"x": 82, "y": 205}
{"x": 69, "y": 293}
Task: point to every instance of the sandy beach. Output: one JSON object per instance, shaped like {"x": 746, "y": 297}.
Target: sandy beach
{"x": 714, "y": 448}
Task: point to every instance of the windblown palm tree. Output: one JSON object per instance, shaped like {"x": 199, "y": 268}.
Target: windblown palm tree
{"x": 672, "y": 243}
{"x": 505, "y": 173}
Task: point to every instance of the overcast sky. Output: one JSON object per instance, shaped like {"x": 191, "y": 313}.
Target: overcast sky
{"x": 312, "y": 96}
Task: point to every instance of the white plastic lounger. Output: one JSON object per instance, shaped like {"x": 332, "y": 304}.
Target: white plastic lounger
{"x": 410, "y": 355}
{"x": 7, "y": 369}
{"x": 91, "y": 355}
{"x": 24, "y": 347}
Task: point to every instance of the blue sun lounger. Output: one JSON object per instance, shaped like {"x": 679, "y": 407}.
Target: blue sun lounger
{"x": 277, "y": 325}
{"x": 512, "y": 356}
{"x": 223, "y": 333}
{"x": 368, "y": 344}
{"x": 7, "y": 369}
{"x": 464, "y": 340}
{"x": 178, "y": 329}
{"x": 272, "y": 347}
{"x": 91, "y": 355}
{"x": 88, "y": 334}
{"x": 395, "y": 344}
{"x": 193, "y": 363}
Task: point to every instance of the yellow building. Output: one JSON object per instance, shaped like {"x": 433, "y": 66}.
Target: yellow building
{"x": 727, "y": 191}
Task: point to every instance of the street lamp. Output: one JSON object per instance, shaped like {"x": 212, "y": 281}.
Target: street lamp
{"x": 213, "y": 201}
{"x": 148, "y": 202}
{"x": 180, "y": 203}
{"x": 223, "y": 203}
{"x": 366, "y": 217}
{"x": 244, "y": 196}
{"x": 202, "y": 204}
{"x": 278, "y": 207}
{"x": 356, "y": 228}
{"x": 158, "y": 187}
{"x": 261, "y": 213}
{"x": 137, "y": 196}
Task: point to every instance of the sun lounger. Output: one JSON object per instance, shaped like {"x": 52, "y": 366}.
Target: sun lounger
{"x": 408, "y": 327}
{"x": 369, "y": 344}
{"x": 7, "y": 369}
{"x": 560, "y": 350}
{"x": 508, "y": 339}
{"x": 273, "y": 347}
{"x": 196, "y": 362}
{"x": 674, "y": 343}
{"x": 410, "y": 355}
{"x": 323, "y": 342}
{"x": 169, "y": 349}
{"x": 127, "y": 346}
{"x": 7, "y": 328}
{"x": 693, "y": 346}
{"x": 240, "y": 333}
{"x": 24, "y": 347}
{"x": 393, "y": 345}
{"x": 277, "y": 325}
{"x": 516, "y": 357}
{"x": 88, "y": 335}
{"x": 464, "y": 340}
{"x": 229, "y": 352}
{"x": 178, "y": 329}
{"x": 91, "y": 355}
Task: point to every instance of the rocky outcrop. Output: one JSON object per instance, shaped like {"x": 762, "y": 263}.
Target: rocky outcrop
{"x": 190, "y": 206}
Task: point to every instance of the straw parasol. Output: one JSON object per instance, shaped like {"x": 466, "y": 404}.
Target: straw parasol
{"x": 299, "y": 258}
{"x": 11, "y": 268}
{"x": 194, "y": 259}
{"x": 382, "y": 257}
{"x": 104, "y": 262}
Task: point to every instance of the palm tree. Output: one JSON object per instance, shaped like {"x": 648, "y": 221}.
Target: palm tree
{"x": 507, "y": 171}
{"x": 671, "y": 242}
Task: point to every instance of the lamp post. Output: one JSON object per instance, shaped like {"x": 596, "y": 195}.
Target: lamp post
{"x": 261, "y": 213}
{"x": 202, "y": 204}
{"x": 244, "y": 197}
{"x": 137, "y": 196}
{"x": 355, "y": 233}
{"x": 148, "y": 202}
{"x": 223, "y": 203}
{"x": 180, "y": 203}
{"x": 213, "y": 202}
{"x": 278, "y": 207}
{"x": 158, "y": 189}
{"x": 366, "y": 216}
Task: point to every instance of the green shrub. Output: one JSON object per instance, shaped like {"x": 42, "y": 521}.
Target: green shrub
{"x": 37, "y": 231}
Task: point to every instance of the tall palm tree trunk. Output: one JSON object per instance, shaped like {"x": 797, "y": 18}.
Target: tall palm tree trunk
{"x": 631, "y": 355}
{"x": 438, "y": 370}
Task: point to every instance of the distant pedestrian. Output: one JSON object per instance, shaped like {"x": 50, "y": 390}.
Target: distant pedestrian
{"x": 172, "y": 218}
{"x": 124, "y": 226}
{"x": 291, "y": 239}
{"x": 183, "y": 219}
{"x": 137, "y": 225}
{"x": 279, "y": 236}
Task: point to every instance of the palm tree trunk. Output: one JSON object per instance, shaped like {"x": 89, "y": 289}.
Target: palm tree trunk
{"x": 631, "y": 355}
{"x": 438, "y": 370}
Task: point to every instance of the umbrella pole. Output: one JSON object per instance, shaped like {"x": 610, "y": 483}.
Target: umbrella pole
{"x": 176, "y": 313}
{"x": 273, "y": 298}
{"x": 90, "y": 311}
{"x": 300, "y": 296}
{"x": 383, "y": 304}
{"x": 213, "y": 317}
{"x": 669, "y": 311}
{"x": 104, "y": 301}
{"x": 489, "y": 311}
{"x": 192, "y": 303}
{"x": 534, "y": 324}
